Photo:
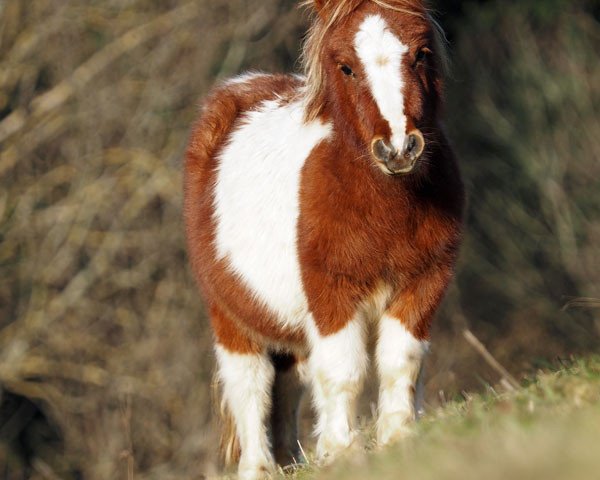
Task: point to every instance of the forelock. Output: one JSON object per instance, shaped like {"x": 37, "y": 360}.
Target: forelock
{"x": 332, "y": 13}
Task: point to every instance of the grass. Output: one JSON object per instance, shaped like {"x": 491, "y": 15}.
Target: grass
{"x": 548, "y": 429}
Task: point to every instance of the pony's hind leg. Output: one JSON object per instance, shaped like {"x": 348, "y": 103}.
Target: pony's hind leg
{"x": 287, "y": 392}
{"x": 246, "y": 373}
{"x": 247, "y": 379}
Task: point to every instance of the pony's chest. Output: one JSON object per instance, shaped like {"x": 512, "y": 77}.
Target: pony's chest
{"x": 390, "y": 244}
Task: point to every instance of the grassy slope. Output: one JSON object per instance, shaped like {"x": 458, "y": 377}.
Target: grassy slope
{"x": 550, "y": 429}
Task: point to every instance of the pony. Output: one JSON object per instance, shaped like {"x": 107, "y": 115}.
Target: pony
{"x": 319, "y": 207}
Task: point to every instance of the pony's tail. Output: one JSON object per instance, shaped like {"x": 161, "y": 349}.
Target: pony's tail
{"x": 229, "y": 444}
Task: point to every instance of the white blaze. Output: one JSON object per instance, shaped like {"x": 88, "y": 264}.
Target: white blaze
{"x": 381, "y": 52}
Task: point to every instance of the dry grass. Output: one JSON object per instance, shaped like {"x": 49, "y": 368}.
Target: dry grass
{"x": 100, "y": 322}
{"x": 523, "y": 112}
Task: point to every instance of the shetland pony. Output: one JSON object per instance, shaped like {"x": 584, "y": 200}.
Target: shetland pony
{"x": 316, "y": 207}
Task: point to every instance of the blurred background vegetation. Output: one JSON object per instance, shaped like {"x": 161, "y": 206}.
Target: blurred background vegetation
{"x": 105, "y": 354}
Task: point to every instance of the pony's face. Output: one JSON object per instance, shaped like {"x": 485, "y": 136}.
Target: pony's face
{"x": 382, "y": 75}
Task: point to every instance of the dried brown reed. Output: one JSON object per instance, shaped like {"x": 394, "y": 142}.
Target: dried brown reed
{"x": 523, "y": 113}
{"x": 100, "y": 322}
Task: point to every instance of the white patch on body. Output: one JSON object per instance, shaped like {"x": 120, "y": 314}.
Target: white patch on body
{"x": 381, "y": 52}
{"x": 247, "y": 380}
{"x": 399, "y": 358}
{"x": 337, "y": 365}
{"x": 257, "y": 204}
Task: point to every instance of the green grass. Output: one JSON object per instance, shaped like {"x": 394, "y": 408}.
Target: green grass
{"x": 549, "y": 429}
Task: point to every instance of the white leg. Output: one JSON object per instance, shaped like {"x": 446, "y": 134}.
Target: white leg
{"x": 399, "y": 360}
{"x": 337, "y": 364}
{"x": 247, "y": 382}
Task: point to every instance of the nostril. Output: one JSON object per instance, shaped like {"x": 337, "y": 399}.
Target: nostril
{"x": 382, "y": 150}
{"x": 415, "y": 144}
{"x": 411, "y": 144}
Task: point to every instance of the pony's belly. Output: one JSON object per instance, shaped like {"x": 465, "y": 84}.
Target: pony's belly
{"x": 257, "y": 205}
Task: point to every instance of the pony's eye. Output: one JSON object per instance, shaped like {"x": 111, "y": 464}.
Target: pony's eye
{"x": 346, "y": 70}
{"x": 422, "y": 55}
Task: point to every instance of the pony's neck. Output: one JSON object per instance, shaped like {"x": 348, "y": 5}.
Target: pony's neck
{"x": 344, "y": 137}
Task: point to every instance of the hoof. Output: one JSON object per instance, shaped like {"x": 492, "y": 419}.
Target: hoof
{"x": 393, "y": 428}
{"x": 332, "y": 448}
{"x": 256, "y": 471}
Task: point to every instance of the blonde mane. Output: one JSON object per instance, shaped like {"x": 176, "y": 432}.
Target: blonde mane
{"x": 313, "y": 44}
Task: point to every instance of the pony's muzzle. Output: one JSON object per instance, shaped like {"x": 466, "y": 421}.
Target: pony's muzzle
{"x": 394, "y": 162}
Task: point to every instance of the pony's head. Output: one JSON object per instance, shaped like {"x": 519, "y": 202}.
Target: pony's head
{"x": 375, "y": 68}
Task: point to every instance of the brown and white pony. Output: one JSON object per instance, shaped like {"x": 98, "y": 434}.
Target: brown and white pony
{"x": 317, "y": 206}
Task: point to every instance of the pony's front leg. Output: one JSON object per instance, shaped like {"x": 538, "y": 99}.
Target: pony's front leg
{"x": 247, "y": 381}
{"x": 399, "y": 362}
{"x": 401, "y": 347}
{"x": 337, "y": 365}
